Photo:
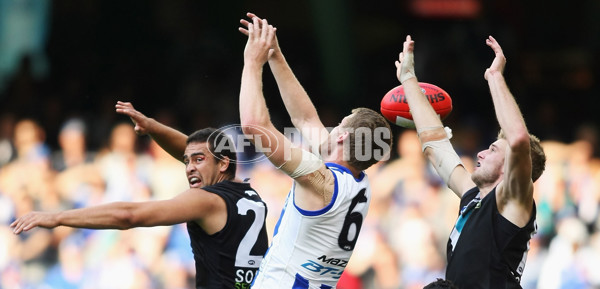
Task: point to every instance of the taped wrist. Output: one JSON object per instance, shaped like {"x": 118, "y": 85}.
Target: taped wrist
{"x": 445, "y": 158}
{"x": 407, "y": 67}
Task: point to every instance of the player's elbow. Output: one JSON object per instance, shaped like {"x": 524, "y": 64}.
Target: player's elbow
{"x": 249, "y": 127}
{"x": 126, "y": 219}
{"x": 519, "y": 141}
{"x": 254, "y": 125}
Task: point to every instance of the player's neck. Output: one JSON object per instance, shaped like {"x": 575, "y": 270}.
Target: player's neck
{"x": 487, "y": 188}
{"x": 355, "y": 172}
{"x": 337, "y": 157}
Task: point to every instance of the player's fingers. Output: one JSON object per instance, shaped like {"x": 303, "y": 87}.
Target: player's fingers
{"x": 124, "y": 103}
{"x": 265, "y": 30}
{"x": 398, "y": 65}
{"x": 17, "y": 230}
{"x": 270, "y": 35}
{"x": 121, "y": 107}
{"x": 244, "y": 31}
{"x": 250, "y": 31}
{"x": 125, "y": 111}
{"x": 28, "y": 226}
{"x": 251, "y": 15}
{"x": 14, "y": 223}
{"x": 256, "y": 23}
{"x": 18, "y": 226}
{"x": 124, "y": 107}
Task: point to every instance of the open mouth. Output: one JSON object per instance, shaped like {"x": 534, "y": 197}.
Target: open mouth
{"x": 194, "y": 182}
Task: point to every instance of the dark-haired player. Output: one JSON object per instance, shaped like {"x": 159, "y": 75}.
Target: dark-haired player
{"x": 489, "y": 243}
{"x": 440, "y": 284}
{"x": 225, "y": 217}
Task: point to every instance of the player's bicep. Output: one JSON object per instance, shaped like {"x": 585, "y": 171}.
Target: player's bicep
{"x": 514, "y": 195}
{"x": 518, "y": 184}
{"x": 272, "y": 143}
{"x": 191, "y": 205}
{"x": 314, "y": 132}
{"x": 460, "y": 181}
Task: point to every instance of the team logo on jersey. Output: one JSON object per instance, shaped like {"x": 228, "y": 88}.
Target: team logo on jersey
{"x": 315, "y": 267}
{"x": 243, "y": 278}
{"x": 333, "y": 261}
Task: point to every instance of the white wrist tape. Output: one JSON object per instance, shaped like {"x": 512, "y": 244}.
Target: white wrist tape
{"x": 424, "y": 129}
{"x": 308, "y": 164}
{"x": 445, "y": 158}
{"x": 407, "y": 70}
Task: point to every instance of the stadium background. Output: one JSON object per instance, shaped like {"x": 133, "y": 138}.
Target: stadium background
{"x": 180, "y": 61}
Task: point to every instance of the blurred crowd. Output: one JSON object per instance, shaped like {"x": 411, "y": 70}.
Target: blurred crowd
{"x": 402, "y": 242}
{"x": 64, "y": 58}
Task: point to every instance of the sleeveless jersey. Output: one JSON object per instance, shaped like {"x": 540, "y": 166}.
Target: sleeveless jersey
{"x": 310, "y": 249}
{"x": 485, "y": 250}
{"x": 230, "y": 257}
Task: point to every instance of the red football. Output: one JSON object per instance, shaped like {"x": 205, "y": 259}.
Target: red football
{"x": 394, "y": 106}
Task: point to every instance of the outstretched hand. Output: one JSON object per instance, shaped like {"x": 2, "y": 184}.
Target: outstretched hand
{"x": 244, "y": 30}
{"x": 140, "y": 121}
{"x": 261, "y": 37}
{"x": 405, "y": 65}
{"x": 499, "y": 61}
{"x": 32, "y": 220}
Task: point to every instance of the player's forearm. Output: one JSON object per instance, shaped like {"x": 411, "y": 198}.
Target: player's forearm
{"x": 421, "y": 110}
{"x": 108, "y": 216}
{"x": 253, "y": 108}
{"x": 296, "y": 100}
{"x": 507, "y": 111}
{"x": 169, "y": 139}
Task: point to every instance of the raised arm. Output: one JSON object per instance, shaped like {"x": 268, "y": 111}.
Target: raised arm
{"x": 170, "y": 139}
{"x": 515, "y": 193}
{"x": 434, "y": 139}
{"x": 254, "y": 114}
{"x": 313, "y": 190}
{"x": 297, "y": 102}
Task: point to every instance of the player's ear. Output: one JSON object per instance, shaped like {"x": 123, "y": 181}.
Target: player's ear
{"x": 224, "y": 163}
{"x": 343, "y": 136}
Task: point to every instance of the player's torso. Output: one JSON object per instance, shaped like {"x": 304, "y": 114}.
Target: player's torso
{"x": 310, "y": 249}
{"x": 231, "y": 257}
{"x": 490, "y": 252}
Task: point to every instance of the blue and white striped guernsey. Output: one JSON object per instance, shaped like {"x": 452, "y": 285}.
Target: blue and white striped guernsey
{"x": 310, "y": 249}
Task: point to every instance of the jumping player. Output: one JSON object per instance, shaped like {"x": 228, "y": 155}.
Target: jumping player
{"x": 489, "y": 243}
{"x": 225, "y": 217}
{"x": 321, "y": 220}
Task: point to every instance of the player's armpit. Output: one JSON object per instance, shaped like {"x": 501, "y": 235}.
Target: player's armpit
{"x": 460, "y": 181}
{"x": 315, "y": 190}
{"x": 314, "y": 181}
